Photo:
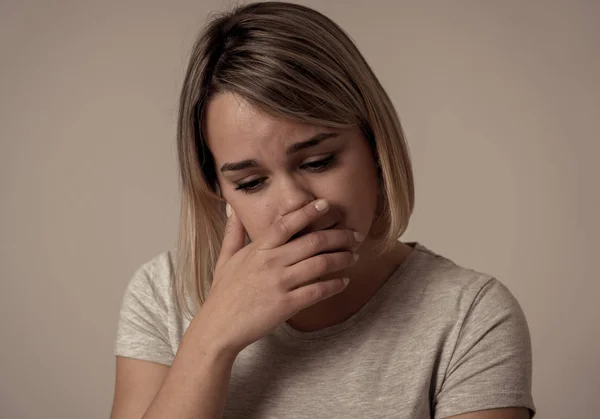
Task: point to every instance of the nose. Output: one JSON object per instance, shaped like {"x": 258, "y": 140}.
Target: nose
{"x": 293, "y": 194}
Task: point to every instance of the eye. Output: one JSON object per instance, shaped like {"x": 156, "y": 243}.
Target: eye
{"x": 319, "y": 165}
{"x": 315, "y": 166}
{"x": 251, "y": 186}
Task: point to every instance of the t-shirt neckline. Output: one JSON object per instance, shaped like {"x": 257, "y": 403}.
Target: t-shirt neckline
{"x": 287, "y": 332}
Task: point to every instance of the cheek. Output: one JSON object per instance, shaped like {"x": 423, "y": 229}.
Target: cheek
{"x": 365, "y": 192}
{"x": 255, "y": 217}
{"x": 358, "y": 192}
{"x": 254, "y": 213}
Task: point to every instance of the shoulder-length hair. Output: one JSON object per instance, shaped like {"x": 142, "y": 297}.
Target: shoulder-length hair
{"x": 292, "y": 62}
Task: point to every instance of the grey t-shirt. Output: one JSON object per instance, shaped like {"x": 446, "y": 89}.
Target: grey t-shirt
{"x": 436, "y": 340}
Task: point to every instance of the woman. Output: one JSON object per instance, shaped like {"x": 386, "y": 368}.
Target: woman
{"x": 290, "y": 295}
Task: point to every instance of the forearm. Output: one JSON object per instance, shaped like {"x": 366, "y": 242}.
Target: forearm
{"x": 197, "y": 383}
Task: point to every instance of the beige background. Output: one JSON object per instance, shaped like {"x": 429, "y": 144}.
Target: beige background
{"x": 501, "y": 104}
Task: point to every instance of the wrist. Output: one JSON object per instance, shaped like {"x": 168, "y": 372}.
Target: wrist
{"x": 206, "y": 340}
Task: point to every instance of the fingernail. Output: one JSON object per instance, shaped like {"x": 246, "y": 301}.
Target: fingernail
{"x": 228, "y": 210}
{"x": 346, "y": 281}
{"x": 359, "y": 237}
{"x": 321, "y": 205}
{"x": 356, "y": 257}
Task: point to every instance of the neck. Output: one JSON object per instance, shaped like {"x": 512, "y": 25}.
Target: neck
{"x": 366, "y": 278}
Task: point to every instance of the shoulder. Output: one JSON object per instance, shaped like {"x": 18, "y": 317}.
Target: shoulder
{"x": 154, "y": 278}
{"x": 479, "y": 333}
{"x": 150, "y": 326}
{"x": 455, "y": 310}
{"x": 454, "y": 288}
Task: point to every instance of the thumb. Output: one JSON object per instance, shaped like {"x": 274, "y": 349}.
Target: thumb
{"x": 235, "y": 236}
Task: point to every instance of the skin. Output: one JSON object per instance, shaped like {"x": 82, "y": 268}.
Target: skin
{"x": 280, "y": 183}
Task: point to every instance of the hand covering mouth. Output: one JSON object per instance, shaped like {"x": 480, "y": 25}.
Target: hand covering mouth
{"x": 310, "y": 230}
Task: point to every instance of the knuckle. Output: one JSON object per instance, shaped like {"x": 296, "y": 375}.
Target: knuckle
{"x": 322, "y": 263}
{"x": 283, "y": 280}
{"x": 306, "y": 213}
{"x": 228, "y": 228}
{"x": 315, "y": 241}
{"x": 281, "y": 227}
{"x": 271, "y": 264}
{"x": 317, "y": 292}
{"x": 266, "y": 261}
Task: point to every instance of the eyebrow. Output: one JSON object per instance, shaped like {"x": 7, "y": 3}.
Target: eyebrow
{"x": 294, "y": 148}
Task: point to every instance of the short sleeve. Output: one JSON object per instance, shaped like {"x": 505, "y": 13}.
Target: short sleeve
{"x": 491, "y": 364}
{"x": 143, "y": 331}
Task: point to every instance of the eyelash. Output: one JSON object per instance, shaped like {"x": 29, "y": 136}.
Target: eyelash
{"x": 314, "y": 167}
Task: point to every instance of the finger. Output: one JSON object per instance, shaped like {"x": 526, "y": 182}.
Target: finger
{"x": 318, "y": 242}
{"x": 288, "y": 225}
{"x": 313, "y": 293}
{"x": 313, "y": 268}
{"x": 234, "y": 239}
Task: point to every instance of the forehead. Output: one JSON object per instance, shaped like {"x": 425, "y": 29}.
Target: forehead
{"x": 235, "y": 128}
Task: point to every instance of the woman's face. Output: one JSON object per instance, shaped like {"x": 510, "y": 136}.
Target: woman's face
{"x": 268, "y": 167}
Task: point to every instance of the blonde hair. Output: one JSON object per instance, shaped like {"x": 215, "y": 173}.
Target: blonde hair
{"x": 292, "y": 62}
